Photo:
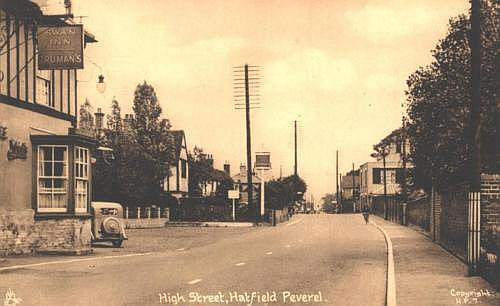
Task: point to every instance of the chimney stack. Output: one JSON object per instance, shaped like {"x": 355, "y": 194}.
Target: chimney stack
{"x": 99, "y": 117}
{"x": 227, "y": 168}
{"x": 210, "y": 158}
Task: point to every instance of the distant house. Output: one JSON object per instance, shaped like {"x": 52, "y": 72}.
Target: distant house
{"x": 210, "y": 187}
{"x": 346, "y": 184}
{"x": 217, "y": 177}
{"x": 176, "y": 183}
{"x": 241, "y": 183}
{"x": 372, "y": 174}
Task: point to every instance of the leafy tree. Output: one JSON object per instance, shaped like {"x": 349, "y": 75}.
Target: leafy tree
{"x": 142, "y": 151}
{"x": 438, "y": 100}
{"x": 278, "y": 194}
{"x": 297, "y": 186}
{"x": 200, "y": 171}
{"x": 156, "y": 145}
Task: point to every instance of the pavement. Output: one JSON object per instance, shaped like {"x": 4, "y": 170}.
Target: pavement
{"x": 312, "y": 259}
{"x": 426, "y": 274}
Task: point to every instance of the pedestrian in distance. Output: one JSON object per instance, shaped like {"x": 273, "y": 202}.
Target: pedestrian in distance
{"x": 366, "y": 214}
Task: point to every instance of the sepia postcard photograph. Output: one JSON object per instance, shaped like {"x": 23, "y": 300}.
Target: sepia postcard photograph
{"x": 249, "y": 152}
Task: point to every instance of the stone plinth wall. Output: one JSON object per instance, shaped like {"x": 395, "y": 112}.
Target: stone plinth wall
{"x": 64, "y": 235}
{"x": 20, "y": 234}
{"x": 17, "y": 232}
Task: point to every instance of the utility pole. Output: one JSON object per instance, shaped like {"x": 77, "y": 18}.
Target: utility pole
{"x": 340, "y": 192}
{"x": 295, "y": 136}
{"x": 386, "y": 213}
{"x": 249, "y": 143}
{"x": 337, "y": 176}
{"x": 403, "y": 185}
{"x": 474, "y": 197}
{"x": 353, "y": 189}
{"x": 246, "y": 81}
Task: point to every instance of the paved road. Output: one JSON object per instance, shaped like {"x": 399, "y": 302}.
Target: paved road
{"x": 313, "y": 259}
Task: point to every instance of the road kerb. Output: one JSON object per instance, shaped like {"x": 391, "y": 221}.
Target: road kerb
{"x": 390, "y": 299}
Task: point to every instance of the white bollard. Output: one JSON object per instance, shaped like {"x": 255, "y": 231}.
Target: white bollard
{"x": 138, "y": 212}
{"x": 126, "y": 212}
{"x": 159, "y": 212}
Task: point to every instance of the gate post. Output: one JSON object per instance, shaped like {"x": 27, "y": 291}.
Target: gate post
{"x": 473, "y": 232}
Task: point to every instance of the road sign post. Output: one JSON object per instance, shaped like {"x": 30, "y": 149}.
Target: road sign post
{"x": 233, "y": 195}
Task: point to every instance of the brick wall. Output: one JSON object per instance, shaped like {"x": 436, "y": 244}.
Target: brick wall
{"x": 20, "y": 234}
{"x": 490, "y": 227}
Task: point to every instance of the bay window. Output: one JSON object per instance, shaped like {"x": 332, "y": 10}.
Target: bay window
{"x": 63, "y": 174}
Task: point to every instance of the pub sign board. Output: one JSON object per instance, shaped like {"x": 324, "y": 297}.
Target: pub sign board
{"x": 60, "y": 47}
{"x": 262, "y": 160}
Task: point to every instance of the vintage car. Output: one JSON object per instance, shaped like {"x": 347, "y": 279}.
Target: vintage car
{"x": 108, "y": 223}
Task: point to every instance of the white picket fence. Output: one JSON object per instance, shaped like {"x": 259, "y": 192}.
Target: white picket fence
{"x": 146, "y": 217}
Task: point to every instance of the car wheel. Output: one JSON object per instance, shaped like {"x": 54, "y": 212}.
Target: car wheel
{"x": 111, "y": 225}
{"x": 117, "y": 243}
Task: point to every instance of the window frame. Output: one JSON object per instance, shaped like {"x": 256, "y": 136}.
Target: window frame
{"x": 86, "y": 169}
{"x": 377, "y": 175}
{"x": 47, "y": 91}
{"x": 183, "y": 168}
{"x": 52, "y": 177}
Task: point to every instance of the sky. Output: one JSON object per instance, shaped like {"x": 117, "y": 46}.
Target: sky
{"x": 337, "y": 67}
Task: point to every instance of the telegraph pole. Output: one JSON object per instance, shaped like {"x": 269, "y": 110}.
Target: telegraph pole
{"x": 295, "y": 134}
{"x": 247, "y": 81}
{"x": 475, "y": 107}
{"x": 353, "y": 189}
{"x": 403, "y": 184}
{"x": 337, "y": 176}
{"x": 474, "y": 197}
{"x": 249, "y": 143}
